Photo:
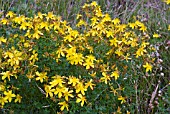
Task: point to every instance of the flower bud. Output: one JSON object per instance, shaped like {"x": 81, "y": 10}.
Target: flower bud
{"x": 162, "y": 74}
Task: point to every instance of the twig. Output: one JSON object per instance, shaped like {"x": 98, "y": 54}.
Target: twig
{"x": 99, "y": 94}
{"x": 11, "y": 4}
{"x": 41, "y": 90}
{"x": 152, "y": 97}
{"x": 164, "y": 87}
{"x": 136, "y": 91}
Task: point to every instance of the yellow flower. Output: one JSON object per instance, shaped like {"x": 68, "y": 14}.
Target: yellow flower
{"x": 74, "y": 33}
{"x": 79, "y": 59}
{"x": 94, "y": 3}
{"x": 105, "y": 77}
{"x": 114, "y": 42}
{"x": 19, "y": 19}
{"x": 80, "y": 88}
{"x": 28, "y": 34}
{"x": 106, "y": 18}
{"x": 127, "y": 57}
{"x": 40, "y": 15}
{"x": 148, "y": 67}
{"x": 132, "y": 25}
{"x": 109, "y": 33}
{"x": 119, "y": 52}
{"x": 119, "y": 110}
{"x": 10, "y": 14}
{"x": 90, "y": 58}
{"x": 30, "y": 76}
{"x": 34, "y": 56}
{"x": 122, "y": 99}
{"x": 89, "y": 84}
{"x": 23, "y": 26}
{"x": 143, "y": 28}
{"x": 80, "y": 23}
{"x": 2, "y": 39}
{"x": 140, "y": 52}
{"x": 88, "y": 64}
{"x": 138, "y": 23}
{"x": 26, "y": 44}
{"x": 75, "y": 58}
{"x": 89, "y": 61}
{"x": 9, "y": 95}
{"x": 49, "y": 91}
{"x": 78, "y": 16}
{"x": 94, "y": 21}
{"x": 81, "y": 99}
{"x": 73, "y": 80}
{"x": 44, "y": 25}
{"x": 167, "y": 1}
{"x": 2, "y": 86}
{"x": 156, "y": 35}
{"x": 115, "y": 74}
{"x": 64, "y": 105}
{"x": 50, "y": 16}
{"x": 113, "y": 90}
{"x": 41, "y": 76}
{"x": 98, "y": 12}
{"x": 60, "y": 52}
{"x": 92, "y": 74}
{"x": 18, "y": 98}
{"x": 60, "y": 91}
{"x": 67, "y": 94}
{"x": 116, "y": 21}
{"x": 144, "y": 44}
{"x": 37, "y": 34}
{"x": 122, "y": 27}
{"x": 141, "y": 25}
{"x": 15, "y": 57}
{"x": 3, "y": 100}
{"x": 90, "y": 48}
{"x": 58, "y": 80}
{"x": 71, "y": 50}
{"x": 6, "y": 74}
{"x": 4, "y": 21}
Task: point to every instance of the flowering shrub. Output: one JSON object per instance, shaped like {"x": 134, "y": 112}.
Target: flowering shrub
{"x": 67, "y": 65}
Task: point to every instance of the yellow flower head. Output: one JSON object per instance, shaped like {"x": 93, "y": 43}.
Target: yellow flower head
{"x": 148, "y": 67}
{"x": 155, "y": 35}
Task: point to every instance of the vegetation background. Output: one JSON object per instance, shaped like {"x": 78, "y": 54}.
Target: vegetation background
{"x": 155, "y": 14}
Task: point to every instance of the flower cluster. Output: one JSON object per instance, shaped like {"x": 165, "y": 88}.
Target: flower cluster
{"x": 98, "y": 46}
